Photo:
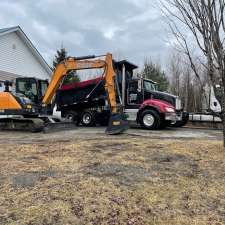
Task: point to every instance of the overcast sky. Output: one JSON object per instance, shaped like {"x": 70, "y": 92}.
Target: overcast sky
{"x": 133, "y": 29}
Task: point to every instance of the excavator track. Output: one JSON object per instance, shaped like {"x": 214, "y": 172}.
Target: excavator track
{"x": 22, "y": 124}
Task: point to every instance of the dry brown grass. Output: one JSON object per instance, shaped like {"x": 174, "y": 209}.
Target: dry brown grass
{"x": 118, "y": 181}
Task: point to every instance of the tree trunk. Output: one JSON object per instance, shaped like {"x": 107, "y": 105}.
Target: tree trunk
{"x": 223, "y": 118}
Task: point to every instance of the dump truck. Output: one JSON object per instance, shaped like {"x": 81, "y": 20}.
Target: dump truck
{"x": 86, "y": 101}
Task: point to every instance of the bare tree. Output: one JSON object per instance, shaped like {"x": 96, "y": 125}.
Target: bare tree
{"x": 175, "y": 73}
{"x": 205, "y": 20}
{"x": 184, "y": 83}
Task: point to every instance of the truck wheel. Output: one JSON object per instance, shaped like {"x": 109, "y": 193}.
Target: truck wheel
{"x": 71, "y": 115}
{"x": 88, "y": 118}
{"x": 150, "y": 119}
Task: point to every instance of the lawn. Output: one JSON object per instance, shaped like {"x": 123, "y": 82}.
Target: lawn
{"x": 119, "y": 180}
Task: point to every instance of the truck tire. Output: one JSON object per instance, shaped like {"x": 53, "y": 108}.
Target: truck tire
{"x": 71, "y": 115}
{"x": 150, "y": 119}
{"x": 87, "y": 118}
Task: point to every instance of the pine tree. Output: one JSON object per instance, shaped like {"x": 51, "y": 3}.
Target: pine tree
{"x": 154, "y": 72}
{"x": 71, "y": 77}
{"x": 61, "y": 54}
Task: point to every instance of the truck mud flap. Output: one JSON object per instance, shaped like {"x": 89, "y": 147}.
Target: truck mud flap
{"x": 184, "y": 120}
{"x": 117, "y": 124}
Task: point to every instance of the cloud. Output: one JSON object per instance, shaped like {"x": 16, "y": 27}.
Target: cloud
{"x": 132, "y": 27}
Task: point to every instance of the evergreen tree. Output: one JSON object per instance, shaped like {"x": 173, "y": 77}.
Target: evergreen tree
{"x": 71, "y": 77}
{"x": 154, "y": 72}
{"x": 61, "y": 54}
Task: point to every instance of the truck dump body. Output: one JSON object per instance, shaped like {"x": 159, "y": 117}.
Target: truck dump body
{"x": 90, "y": 93}
{"x": 81, "y": 95}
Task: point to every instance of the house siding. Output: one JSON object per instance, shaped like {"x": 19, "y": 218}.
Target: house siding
{"x": 17, "y": 59}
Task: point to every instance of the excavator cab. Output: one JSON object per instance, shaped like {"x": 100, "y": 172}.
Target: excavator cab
{"x": 32, "y": 88}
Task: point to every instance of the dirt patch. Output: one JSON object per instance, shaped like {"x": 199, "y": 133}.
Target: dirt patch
{"x": 166, "y": 166}
{"x": 124, "y": 174}
{"x": 158, "y": 165}
{"x": 30, "y": 179}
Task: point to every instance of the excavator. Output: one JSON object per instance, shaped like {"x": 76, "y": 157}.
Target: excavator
{"x": 25, "y": 111}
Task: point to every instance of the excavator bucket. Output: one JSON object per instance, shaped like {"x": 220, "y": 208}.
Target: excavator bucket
{"x": 117, "y": 124}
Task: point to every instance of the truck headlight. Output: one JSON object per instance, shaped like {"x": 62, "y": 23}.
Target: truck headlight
{"x": 169, "y": 109}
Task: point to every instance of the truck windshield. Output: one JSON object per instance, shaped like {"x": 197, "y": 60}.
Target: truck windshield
{"x": 149, "y": 86}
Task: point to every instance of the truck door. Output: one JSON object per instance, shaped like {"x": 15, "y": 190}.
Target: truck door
{"x": 134, "y": 95}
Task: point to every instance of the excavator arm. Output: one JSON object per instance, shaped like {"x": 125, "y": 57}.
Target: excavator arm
{"x": 117, "y": 123}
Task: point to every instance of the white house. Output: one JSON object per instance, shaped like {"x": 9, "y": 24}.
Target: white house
{"x": 19, "y": 57}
